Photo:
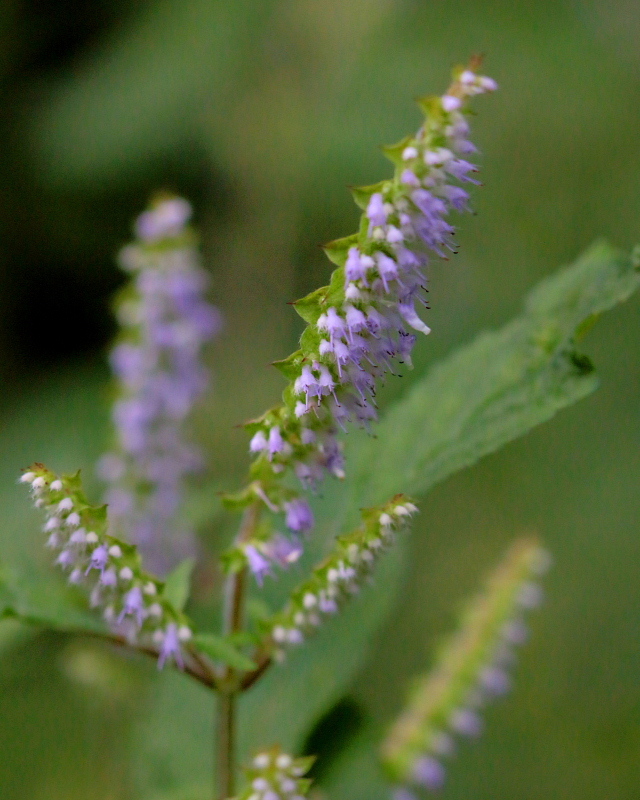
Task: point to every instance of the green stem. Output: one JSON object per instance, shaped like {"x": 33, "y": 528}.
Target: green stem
{"x": 226, "y": 744}
{"x": 234, "y": 596}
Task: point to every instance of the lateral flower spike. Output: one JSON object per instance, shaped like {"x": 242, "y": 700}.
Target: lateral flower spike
{"x": 340, "y": 575}
{"x": 274, "y": 775}
{"x": 164, "y": 323}
{"x": 132, "y": 601}
{"x": 470, "y": 670}
{"x": 365, "y": 322}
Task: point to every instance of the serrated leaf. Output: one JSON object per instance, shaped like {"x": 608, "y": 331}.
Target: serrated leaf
{"x": 220, "y": 649}
{"x": 177, "y": 585}
{"x": 485, "y": 394}
{"x": 527, "y": 366}
{"x": 495, "y": 389}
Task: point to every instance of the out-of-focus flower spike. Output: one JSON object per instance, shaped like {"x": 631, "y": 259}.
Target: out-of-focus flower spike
{"x": 471, "y": 668}
{"x": 340, "y": 575}
{"x": 132, "y": 601}
{"x": 165, "y": 321}
{"x": 274, "y": 775}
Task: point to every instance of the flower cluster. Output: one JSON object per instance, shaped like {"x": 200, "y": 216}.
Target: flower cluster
{"x": 132, "y": 601}
{"x": 364, "y": 322}
{"x": 164, "y": 322}
{"x": 275, "y": 775}
{"x": 340, "y": 575}
{"x": 471, "y": 669}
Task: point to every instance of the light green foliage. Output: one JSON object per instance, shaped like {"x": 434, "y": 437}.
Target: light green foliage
{"x": 177, "y": 584}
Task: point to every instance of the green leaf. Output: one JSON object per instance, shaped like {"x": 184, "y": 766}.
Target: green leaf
{"x": 220, "y": 649}
{"x": 484, "y": 395}
{"x": 290, "y": 366}
{"x": 394, "y": 151}
{"x": 338, "y": 250}
{"x": 178, "y": 584}
{"x": 495, "y": 389}
{"x": 309, "y": 307}
{"x": 46, "y": 601}
{"x": 362, "y": 194}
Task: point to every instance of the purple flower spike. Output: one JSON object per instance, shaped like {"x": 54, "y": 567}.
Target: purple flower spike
{"x": 165, "y": 324}
{"x": 361, "y": 326}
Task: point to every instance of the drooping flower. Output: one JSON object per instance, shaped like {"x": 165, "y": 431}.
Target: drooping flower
{"x": 165, "y": 322}
{"x": 363, "y": 324}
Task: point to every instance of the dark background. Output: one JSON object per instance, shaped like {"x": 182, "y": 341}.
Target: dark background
{"x": 260, "y": 112}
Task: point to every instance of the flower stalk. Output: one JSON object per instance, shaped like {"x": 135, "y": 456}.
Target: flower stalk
{"x": 364, "y": 323}
{"x": 471, "y": 669}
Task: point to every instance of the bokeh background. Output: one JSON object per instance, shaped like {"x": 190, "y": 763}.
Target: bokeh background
{"x": 261, "y": 111}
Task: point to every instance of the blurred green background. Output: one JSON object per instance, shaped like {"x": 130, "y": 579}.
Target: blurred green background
{"x": 260, "y": 111}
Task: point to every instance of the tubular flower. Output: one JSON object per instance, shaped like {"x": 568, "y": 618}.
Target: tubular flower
{"x": 471, "y": 669}
{"x": 164, "y": 323}
{"x": 132, "y": 601}
{"x": 365, "y": 322}
{"x": 340, "y": 575}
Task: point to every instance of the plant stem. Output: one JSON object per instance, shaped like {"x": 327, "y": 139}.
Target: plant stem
{"x": 232, "y": 622}
{"x": 225, "y": 744}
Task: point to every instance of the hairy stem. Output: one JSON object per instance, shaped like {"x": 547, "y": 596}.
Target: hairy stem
{"x": 234, "y": 597}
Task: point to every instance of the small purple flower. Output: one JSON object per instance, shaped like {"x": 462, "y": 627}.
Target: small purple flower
{"x": 376, "y": 210}
{"x": 258, "y": 564}
{"x": 299, "y": 516}
{"x": 99, "y": 558}
{"x": 170, "y": 647}
{"x": 460, "y": 168}
{"x": 356, "y": 267}
{"x": 283, "y": 551}
{"x": 429, "y": 772}
{"x": 167, "y": 219}
{"x": 495, "y": 681}
{"x": 466, "y": 722}
{"x": 276, "y": 442}
{"x": 133, "y": 605}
